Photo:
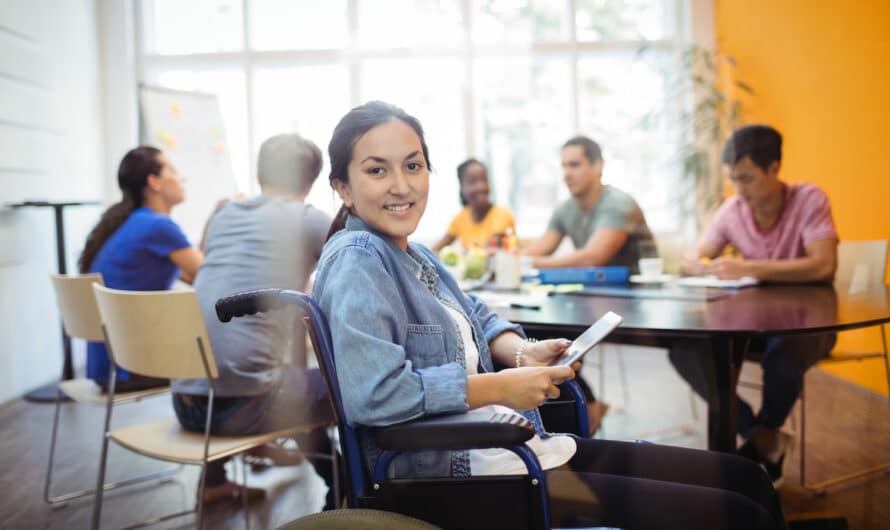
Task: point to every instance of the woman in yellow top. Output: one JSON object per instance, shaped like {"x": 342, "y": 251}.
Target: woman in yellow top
{"x": 479, "y": 219}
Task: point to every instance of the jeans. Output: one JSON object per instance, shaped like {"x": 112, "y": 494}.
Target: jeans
{"x": 785, "y": 360}
{"x": 300, "y": 398}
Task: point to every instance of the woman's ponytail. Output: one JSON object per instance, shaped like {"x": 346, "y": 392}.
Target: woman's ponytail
{"x": 111, "y": 220}
{"x": 339, "y": 222}
{"x": 132, "y": 177}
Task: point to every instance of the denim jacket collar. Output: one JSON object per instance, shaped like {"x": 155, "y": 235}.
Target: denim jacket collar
{"x": 413, "y": 259}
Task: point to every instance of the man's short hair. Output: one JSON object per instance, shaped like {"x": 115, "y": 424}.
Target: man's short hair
{"x": 761, "y": 143}
{"x": 591, "y": 149}
{"x": 288, "y": 162}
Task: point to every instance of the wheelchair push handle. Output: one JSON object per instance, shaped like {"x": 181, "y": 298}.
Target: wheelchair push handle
{"x": 248, "y": 303}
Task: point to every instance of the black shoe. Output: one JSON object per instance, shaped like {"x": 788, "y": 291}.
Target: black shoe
{"x": 772, "y": 464}
{"x": 774, "y": 470}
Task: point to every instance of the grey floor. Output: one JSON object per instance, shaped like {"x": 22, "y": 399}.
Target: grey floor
{"x": 846, "y": 427}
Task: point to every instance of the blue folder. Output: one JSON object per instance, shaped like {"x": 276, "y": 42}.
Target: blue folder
{"x": 586, "y": 275}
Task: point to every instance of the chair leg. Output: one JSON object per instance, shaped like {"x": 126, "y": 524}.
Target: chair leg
{"x": 60, "y": 501}
{"x": 244, "y": 506}
{"x": 886, "y": 357}
{"x": 622, "y": 373}
{"x": 199, "y": 504}
{"x": 803, "y": 434}
{"x": 100, "y": 481}
{"x": 335, "y": 470}
{"x": 52, "y": 453}
{"x": 602, "y": 370}
{"x": 820, "y": 488}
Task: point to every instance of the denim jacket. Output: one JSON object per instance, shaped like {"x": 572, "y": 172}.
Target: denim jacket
{"x": 398, "y": 353}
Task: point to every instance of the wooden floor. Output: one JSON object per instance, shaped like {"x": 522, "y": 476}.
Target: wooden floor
{"x": 847, "y": 427}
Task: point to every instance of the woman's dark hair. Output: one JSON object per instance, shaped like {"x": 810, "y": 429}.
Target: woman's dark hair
{"x": 461, "y": 169}
{"x": 132, "y": 177}
{"x": 351, "y": 127}
{"x": 761, "y": 143}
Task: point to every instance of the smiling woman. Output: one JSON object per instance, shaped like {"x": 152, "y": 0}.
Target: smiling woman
{"x": 479, "y": 220}
{"x": 380, "y": 168}
{"x": 409, "y": 343}
{"x": 390, "y": 180}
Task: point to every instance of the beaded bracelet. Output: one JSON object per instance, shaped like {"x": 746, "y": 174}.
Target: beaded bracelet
{"x": 521, "y": 350}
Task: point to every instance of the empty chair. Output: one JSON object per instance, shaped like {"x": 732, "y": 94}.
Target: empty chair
{"x": 862, "y": 266}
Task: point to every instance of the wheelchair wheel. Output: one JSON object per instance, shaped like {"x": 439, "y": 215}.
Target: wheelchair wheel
{"x": 358, "y": 519}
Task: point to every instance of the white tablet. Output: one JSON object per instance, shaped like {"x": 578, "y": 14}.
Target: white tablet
{"x": 590, "y": 338}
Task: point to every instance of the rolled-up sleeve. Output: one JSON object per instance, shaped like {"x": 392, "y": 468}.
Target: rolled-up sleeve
{"x": 379, "y": 383}
{"x": 817, "y": 222}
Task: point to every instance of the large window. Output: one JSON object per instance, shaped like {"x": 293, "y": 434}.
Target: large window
{"x": 505, "y": 81}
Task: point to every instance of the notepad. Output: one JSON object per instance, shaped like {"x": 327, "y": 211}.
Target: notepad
{"x": 496, "y": 300}
{"x": 698, "y": 294}
{"x": 713, "y": 281}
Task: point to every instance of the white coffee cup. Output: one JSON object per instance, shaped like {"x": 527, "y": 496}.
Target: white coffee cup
{"x": 651, "y": 267}
{"x": 506, "y": 270}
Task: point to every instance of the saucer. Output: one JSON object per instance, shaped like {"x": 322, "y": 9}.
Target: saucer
{"x": 661, "y": 278}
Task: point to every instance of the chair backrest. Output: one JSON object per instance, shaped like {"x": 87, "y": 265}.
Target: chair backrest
{"x": 156, "y": 333}
{"x": 320, "y": 334}
{"x": 861, "y": 264}
{"x": 77, "y": 304}
{"x": 265, "y": 300}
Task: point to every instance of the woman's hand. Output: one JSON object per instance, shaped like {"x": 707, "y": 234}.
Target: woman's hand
{"x": 528, "y": 387}
{"x": 544, "y": 353}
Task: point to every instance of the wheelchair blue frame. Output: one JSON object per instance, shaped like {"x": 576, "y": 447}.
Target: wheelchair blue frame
{"x": 270, "y": 299}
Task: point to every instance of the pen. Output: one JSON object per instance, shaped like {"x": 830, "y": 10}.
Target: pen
{"x": 519, "y": 305}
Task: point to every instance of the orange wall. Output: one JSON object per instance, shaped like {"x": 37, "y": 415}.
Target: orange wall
{"x": 821, "y": 73}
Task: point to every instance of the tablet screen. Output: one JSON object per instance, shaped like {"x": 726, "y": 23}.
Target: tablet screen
{"x": 590, "y": 338}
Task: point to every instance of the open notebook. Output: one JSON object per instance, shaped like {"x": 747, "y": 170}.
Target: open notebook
{"x": 713, "y": 281}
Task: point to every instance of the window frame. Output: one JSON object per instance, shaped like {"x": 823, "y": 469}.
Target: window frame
{"x": 692, "y": 21}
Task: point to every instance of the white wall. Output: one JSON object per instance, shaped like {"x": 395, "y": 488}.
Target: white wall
{"x": 51, "y": 147}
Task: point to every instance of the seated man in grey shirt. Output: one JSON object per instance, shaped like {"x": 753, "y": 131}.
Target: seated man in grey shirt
{"x": 606, "y": 224}
{"x": 270, "y": 241}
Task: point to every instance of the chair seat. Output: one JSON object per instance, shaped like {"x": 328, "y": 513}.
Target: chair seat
{"x": 165, "y": 439}
{"x": 85, "y": 390}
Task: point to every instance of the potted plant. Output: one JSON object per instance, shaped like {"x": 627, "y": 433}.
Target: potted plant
{"x": 716, "y": 109}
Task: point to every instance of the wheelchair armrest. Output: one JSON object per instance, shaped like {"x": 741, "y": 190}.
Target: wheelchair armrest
{"x": 471, "y": 430}
{"x": 568, "y": 412}
{"x": 248, "y": 303}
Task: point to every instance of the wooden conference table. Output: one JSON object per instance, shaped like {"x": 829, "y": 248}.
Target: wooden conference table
{"x": 750, "y": 312}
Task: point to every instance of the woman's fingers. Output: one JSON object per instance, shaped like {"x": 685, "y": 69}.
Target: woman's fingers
{"x": 552, "y": 392}
{"x": 560, "y": 374}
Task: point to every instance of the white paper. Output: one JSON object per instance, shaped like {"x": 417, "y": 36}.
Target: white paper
{"x": 713, "y": 281}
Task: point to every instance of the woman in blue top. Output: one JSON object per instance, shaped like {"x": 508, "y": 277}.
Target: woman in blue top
{"x": 137, "y": 247}
{"x": 409, "y": 343}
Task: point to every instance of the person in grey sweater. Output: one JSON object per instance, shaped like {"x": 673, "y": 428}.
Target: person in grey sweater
{"x": 269, "y": 241}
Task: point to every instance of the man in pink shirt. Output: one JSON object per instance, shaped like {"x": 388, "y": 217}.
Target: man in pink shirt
{"x": 782, "y": 233}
